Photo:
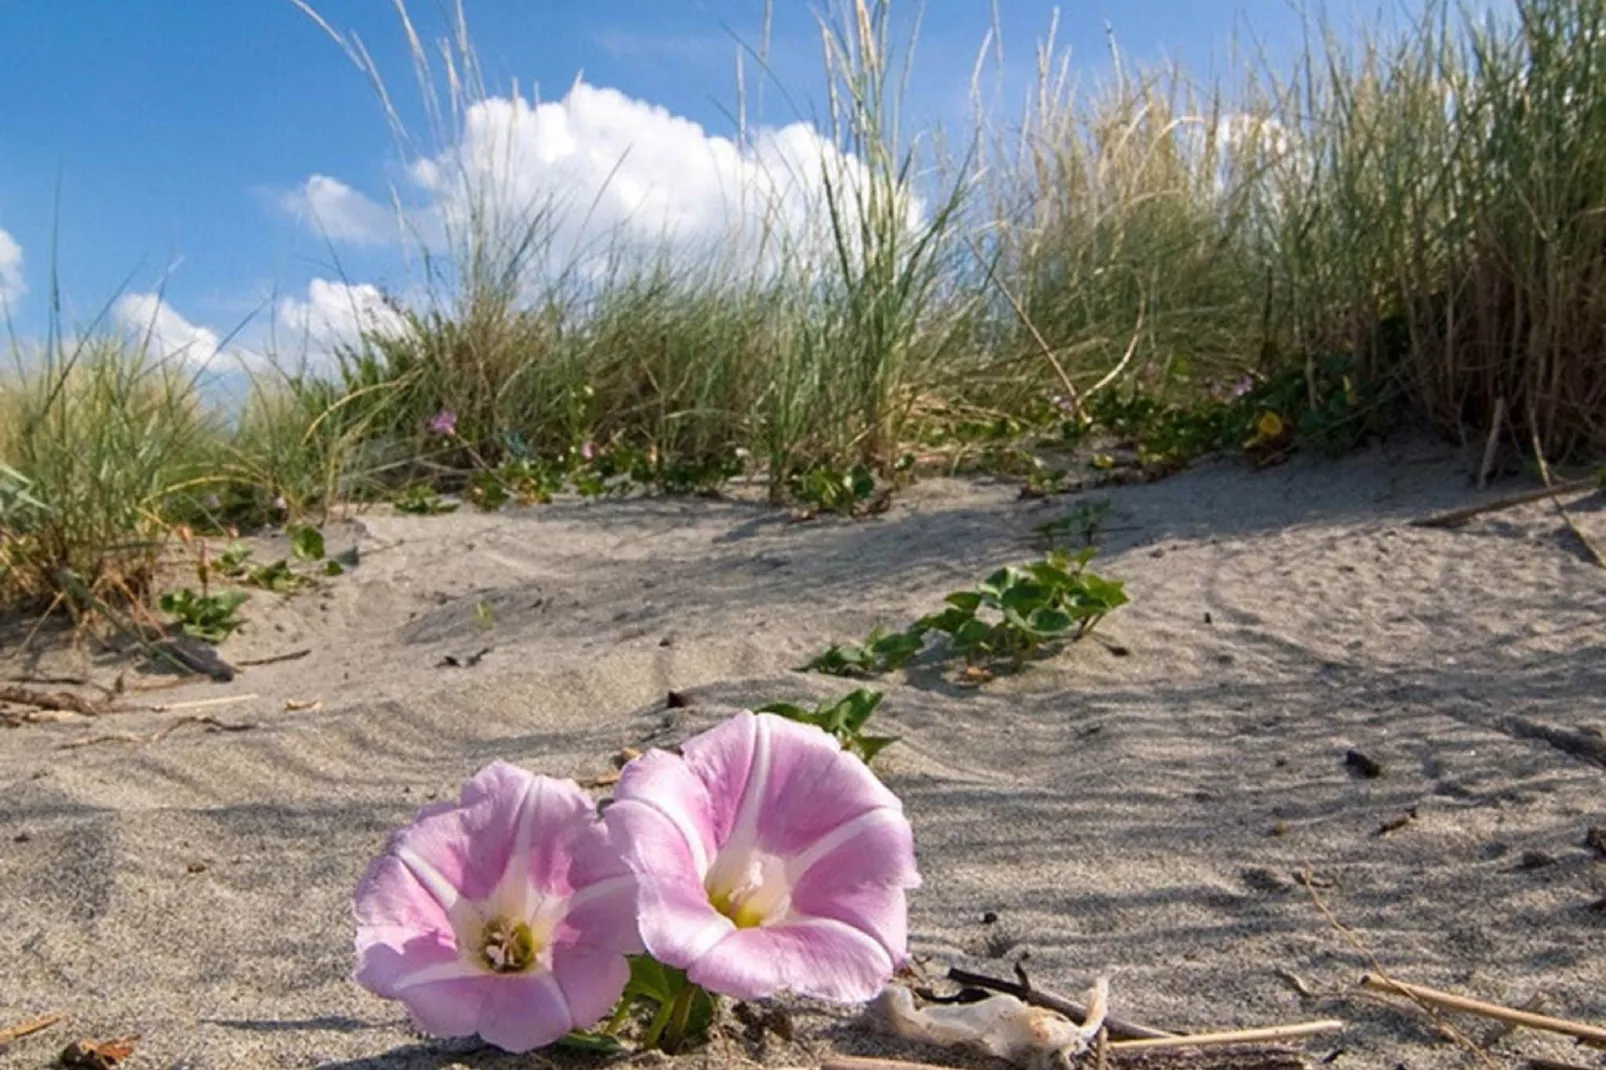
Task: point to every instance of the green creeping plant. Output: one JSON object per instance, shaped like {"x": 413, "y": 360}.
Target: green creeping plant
{"x": 1007, "y": 617}
{"x": 843, "y": 717}
{"x": 210, "y": 617}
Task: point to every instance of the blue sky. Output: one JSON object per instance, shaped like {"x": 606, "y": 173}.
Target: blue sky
{"x": 184, "y": 135}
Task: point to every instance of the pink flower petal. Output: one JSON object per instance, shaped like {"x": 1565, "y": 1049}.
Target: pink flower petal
{"x": 531, "y": 1011}
{"x": 755, "y": 791}
{"x": 676, "y": 920}
{"x": 863, "y": 883}
{"x": 591, "y": 980}
{"x": 821, "y": 958}
{"x": 808, "y": 763}
{"x": 469, "y": 843}
{"x": 515, "y": 848}
{"x": 722, "y": 759}
{"x": 392, "y": 907}
{"x": 602, "y": 917}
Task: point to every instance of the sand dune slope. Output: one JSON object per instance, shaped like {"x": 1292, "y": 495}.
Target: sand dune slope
{"x": 1145, "y": 816}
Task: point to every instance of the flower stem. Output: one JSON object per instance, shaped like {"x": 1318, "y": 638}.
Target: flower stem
{"x": 655, "y": 1031}
{"x": 618, "y": 1019}
{"x": 679, "y": 1015}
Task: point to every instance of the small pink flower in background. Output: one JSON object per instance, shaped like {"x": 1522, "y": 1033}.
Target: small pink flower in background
{"x": 770, "y": 860}
{"x": 506, "y": 913}
{"x": 443, "y": 423}
{"x": 587, "y": 450}
{"x": 1243, "y": 386}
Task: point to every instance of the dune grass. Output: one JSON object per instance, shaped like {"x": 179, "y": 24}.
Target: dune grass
{"x": 1412, "y": 222}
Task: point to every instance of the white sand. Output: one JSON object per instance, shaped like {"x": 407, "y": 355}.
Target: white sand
{"x": 1115, "y": 813}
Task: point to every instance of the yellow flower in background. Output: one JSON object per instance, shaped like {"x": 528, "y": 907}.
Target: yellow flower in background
{"x": 1269, "y": 428}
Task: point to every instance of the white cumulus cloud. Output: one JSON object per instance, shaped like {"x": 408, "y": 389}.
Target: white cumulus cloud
{"x": 333, "y": 208}
{"x": 11, "y": 284}
{"x": 334, "y": 314}
{"x": 165, "y": 333}
{"x": 600, "y": 171}
{"x": 298, "y": 332}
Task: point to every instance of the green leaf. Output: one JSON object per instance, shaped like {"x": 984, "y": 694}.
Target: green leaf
{"x": 896, "y": 649}
{"x": 855, "y": 709}
{"x": 651, "y": 979}
{"x": 950, "y": 620}
{"x": 702, "y": 1014}
{"x": 1052, "y": 621}
{"x": 869, "y": 746}
{"x": 332, "y": 567}
{"x": 995, "y": 582}
{"x": 1025, "y": 596}
{"x": 784, "y": 709}
{"x": 964, "y": 601}
{"x": 306, "y": 543}
{"x": 973, "y": 633}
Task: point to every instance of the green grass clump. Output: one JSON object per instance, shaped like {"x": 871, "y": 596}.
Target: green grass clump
{"x": 100, "y": 445}
{"x": 1409, "y": 226}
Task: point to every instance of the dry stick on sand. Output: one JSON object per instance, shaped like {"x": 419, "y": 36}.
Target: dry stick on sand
{"x": 1566, "y": 517}
{"x": 1493, "y": 442}
{"x": 52, "y": 700}
{"x": 1260, "y": 1057}
{"x": 202, "y": 703}
{"x": 1444, "y": 1025}
{"x": 130, "y": 737}
{"x": 1029, "y": 993}
{"x": 1595, "y": 1036}
{"x": 294, "y": 655}
{"x": 29, "y": 1027}
{"x": 1231, "y": 1036}
{"x": 1456, "y": 517}
{"x": 1500, "y": 1030}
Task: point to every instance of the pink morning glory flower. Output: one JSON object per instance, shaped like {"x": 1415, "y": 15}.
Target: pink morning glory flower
{"x": 506, "y": 913}
{"x": 770, "y": 860}
{"x": 443, "y": 423}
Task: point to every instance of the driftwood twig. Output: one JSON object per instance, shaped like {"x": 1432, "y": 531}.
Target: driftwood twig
{"x": 202, "y": 703}
{"x": 1460, "y": 516}
{"x": 1566, "y": 518}
{"x": 1232, "y": 1036}
{"x": 212, "y": 724}
{"x": 1501, "y": 1029}
{"x": 29, "y": 1027}
{"x": 51, "y": 700}
{"x": 1594, "y": 1035}
{"x": 1493, "y": 442}
{"x": 294, "y": 655}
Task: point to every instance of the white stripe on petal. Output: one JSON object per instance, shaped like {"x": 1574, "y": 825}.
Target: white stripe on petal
{"x": 513, "y": 890}
{"x": 679, "y": 820}
{"x": 551, "y": 984}
{"x": 433, "y": 880}
{"x": 868, "y": 821}
{"x": 712, "y": 935}
{"x": 744, "y": 830}
{"x": 456, "y": 970}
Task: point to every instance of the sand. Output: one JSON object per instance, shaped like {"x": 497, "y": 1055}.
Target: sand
{"x": 1143, "y": 817}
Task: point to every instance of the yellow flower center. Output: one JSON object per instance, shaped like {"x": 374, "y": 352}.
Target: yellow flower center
{"x": 508, "y": 947}
{"x": 750, "y": 892}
